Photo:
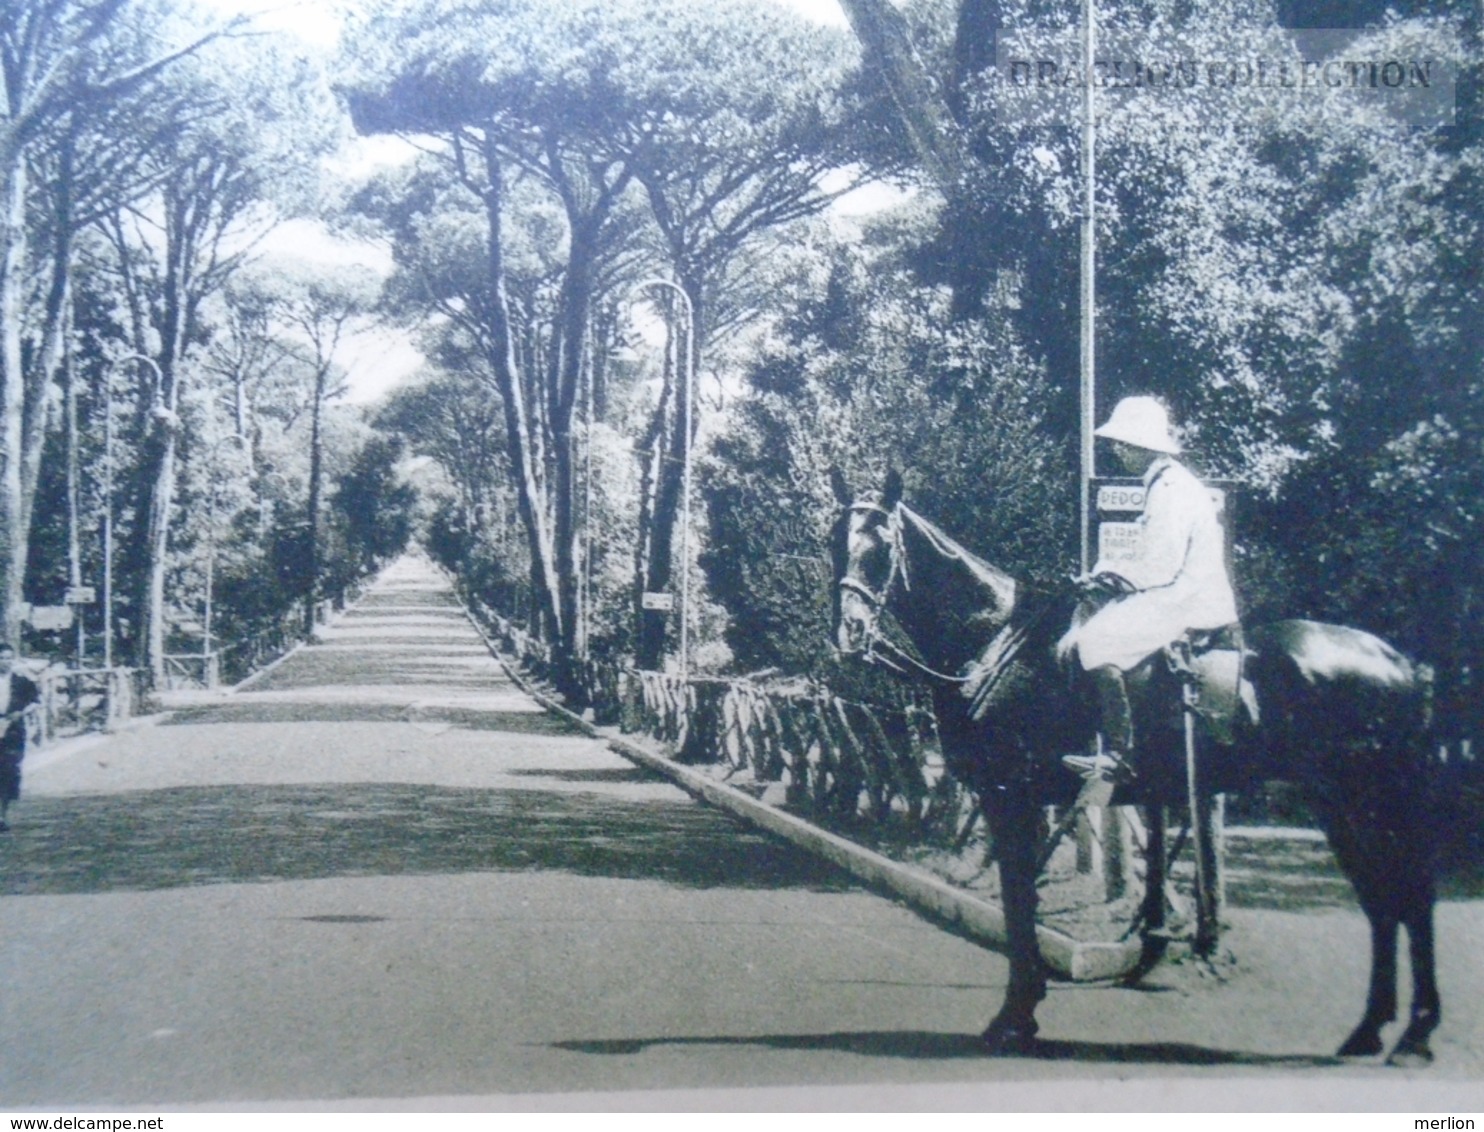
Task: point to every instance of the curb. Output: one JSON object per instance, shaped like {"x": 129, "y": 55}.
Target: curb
{"x": 977, "y": 919}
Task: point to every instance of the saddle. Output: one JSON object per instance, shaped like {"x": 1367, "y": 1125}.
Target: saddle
{"x": 1209, "y": 665}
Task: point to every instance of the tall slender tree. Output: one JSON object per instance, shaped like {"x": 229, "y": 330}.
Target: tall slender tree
{"x": 62, "y": 63}
{"x": 250, "y": 123}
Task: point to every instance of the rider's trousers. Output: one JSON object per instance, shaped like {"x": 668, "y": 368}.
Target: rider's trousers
{"x": 1118, "y": 715}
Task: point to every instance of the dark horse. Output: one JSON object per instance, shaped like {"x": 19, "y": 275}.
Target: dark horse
{"x": 1339, "y": 712}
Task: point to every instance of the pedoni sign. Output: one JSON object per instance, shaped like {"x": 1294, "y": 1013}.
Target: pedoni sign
{"x": 1121, "y": 497}
{"x": 1130, "y": 498}
{"x": 1123, "y": 540}
{"x": 662, "y": 602}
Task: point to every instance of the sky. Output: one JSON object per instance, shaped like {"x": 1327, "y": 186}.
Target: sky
{"x": 319, "y": 20}
{"x": 379, "y": 359}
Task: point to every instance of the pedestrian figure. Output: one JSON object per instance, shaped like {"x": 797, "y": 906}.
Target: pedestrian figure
{"x": 17, "y": 693}
{"x": 1178, "y": 582}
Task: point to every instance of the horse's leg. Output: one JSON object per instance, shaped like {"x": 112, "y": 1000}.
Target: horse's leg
{"x": 1367, "y": 875}
{"x": 1412, "y": 1048}
{"x": 1380, "y": 1003}
{"x": 1415, "y": 887}
{"x": 1014, "y": 821}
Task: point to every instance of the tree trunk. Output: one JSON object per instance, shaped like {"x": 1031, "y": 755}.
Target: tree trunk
{"x": 25, "y": 388}
{"x": 157, "y": 470}
{"x": 13, "y": 540}
{"x": 46, "y": 366}
{"x": 577, "y": 290}
{"x": 925, "y": 113}
{"x": 157, "y": 542}
{"x": 658, "y": 566}
{"x": 316, "y": 463}
{"x": 519, "y": 433}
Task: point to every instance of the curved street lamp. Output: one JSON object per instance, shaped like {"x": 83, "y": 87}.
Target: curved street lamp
{"x": 689, "y": 378}
{"x": 108, "y": 492}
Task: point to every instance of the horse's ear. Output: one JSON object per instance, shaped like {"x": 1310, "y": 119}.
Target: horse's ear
{"x": 841, "y": 489}
{"x": 892, "y": 494}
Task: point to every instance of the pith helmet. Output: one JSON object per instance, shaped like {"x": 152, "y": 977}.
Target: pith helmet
{"x": 1142, "y": 422}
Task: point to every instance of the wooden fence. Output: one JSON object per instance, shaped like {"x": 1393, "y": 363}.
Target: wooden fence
{"x": 236, "y": 661}
{"x": 74, "y": 701}
{"x": 849, "y": 762}
{"x": 873, "y": 767}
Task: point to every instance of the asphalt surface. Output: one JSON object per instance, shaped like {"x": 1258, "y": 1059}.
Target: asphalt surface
{"x": 381, "y": 876}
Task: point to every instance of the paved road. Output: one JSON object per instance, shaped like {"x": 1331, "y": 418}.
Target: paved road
{"x": 382, "y": 872}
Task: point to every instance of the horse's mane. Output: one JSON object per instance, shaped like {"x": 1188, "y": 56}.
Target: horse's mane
{"x": 1002, "y": 586}
{"x": 1023, "y": 627}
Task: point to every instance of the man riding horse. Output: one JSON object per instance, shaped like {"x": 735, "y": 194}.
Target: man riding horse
{"x": 1177, "y": 582}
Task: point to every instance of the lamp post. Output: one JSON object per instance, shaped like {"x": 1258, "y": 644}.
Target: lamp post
{"x": 689, "y": 379}
{"x": 108, "y": 493}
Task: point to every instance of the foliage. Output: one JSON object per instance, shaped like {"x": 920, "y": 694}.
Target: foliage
{"x": 875, "y": 371}
{"x": 1297, "y": 276}
{"x": 375, "y": 507}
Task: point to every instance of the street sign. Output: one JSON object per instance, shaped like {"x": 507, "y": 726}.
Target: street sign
{"x": 1121, "y": 497}
{"x": 50, "y": 618}
{"x": 81, "y": 595}
{"x": 1120, "y": 542}
{"x": 662, "y": 602}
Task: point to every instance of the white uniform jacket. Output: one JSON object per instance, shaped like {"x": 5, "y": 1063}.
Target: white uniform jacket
{"x": 1181, "y": 575}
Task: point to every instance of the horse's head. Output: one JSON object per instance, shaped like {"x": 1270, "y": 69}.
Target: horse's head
{"x": 863, "y": 550}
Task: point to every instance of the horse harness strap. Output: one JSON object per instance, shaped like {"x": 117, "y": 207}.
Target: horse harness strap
{"x": 900, "y": 660}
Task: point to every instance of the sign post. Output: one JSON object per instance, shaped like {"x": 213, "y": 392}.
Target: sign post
{"x": 1088, "y": 304}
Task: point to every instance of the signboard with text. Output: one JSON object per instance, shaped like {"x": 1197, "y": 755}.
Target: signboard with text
{"x": 50, "y": 618}
{"x": 1120, "y": 542}
{"x": 662, "y": 602}
{"x": 1120, "y": 497}
{"x": 1119, "y": 537}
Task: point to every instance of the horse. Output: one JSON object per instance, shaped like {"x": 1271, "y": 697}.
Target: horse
{"x": 1339, "y": 712}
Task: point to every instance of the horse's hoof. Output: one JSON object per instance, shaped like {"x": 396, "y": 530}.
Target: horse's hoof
{"x": 1410, "y": 1055}
{"x": 1010, "y": 1039}
{"x": 1365, "y": 1042}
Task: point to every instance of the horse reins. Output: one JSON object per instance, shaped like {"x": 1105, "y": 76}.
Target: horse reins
{"x": 891, "y": 655}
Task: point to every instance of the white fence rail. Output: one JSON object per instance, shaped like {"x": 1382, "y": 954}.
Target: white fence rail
{"x": 74, "y": 701}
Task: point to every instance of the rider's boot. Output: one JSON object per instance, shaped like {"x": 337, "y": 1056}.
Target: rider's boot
{"x": 1111, "y": 764}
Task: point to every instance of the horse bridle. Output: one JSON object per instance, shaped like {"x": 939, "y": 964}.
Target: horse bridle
{"x": 879, "y": 649}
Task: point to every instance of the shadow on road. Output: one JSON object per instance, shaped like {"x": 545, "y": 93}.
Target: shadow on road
{"x": 187, "y": 836}
{"x": 926, "y": 1045}
{"x": 340, "y": 711}
{"x": 593, "y": 774}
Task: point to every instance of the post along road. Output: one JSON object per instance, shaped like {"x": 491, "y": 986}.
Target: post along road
{"x": 381, "y": 873}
